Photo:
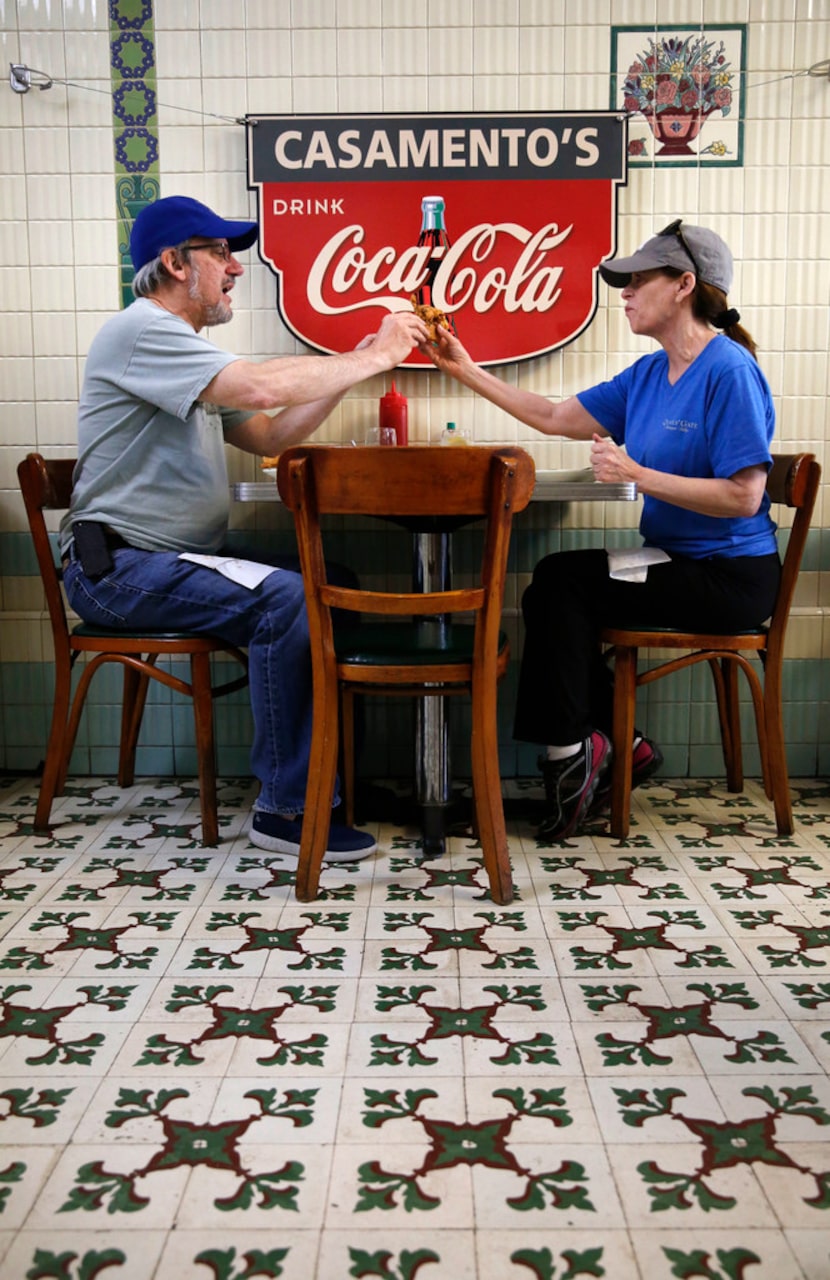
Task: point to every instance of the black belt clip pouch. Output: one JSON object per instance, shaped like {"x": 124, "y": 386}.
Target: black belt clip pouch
{"x": 92, "y": 547}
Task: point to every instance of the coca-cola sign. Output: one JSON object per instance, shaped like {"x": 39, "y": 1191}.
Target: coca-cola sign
{"x": 530, "y": 210}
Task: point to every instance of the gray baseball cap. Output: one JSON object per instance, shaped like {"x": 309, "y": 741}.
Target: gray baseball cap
{"x": 678, "y": 245}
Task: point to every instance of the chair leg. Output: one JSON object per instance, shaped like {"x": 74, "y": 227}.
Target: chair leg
{"x": 347, "y": 698}
{"x": 322, "y": 770}
{"x": 760, "y": 693}
{"x": 487, "y": 798}
{"x": 70, "y": 733}
{"x": 205, "y": 750}
{"x": 51, "y": 782}
{"x": 475, "y": 825}
{"x": 777, "y": 753}
{"x": 725, "y": 675}
{"x": 132, "y": 711}
{"x": 625, "y": 698}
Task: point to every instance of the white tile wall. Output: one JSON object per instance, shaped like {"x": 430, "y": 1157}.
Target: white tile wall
{"x": 220, "y": 59}
{"x": 90, "y": 151}
{"x": 315, "y": 93}
{"x": 222, "y": 52}
{"x": 359, "y": 13}
{"x": 47, "y": 196}
{"x": 401, "y": 13}
{"x": 46, "y": 150}
{"x": 49, "y": 242}
{"x": 15, "y": 334}
{"x": 10, "y": 151}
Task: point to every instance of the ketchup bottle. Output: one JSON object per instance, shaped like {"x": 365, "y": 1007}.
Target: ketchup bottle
{"x": 394, "y": 412}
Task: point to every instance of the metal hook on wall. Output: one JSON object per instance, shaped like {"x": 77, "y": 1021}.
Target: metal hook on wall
{"x": 20, "y": 78}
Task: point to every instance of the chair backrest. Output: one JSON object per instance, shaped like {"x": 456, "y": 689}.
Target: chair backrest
{"x": 793, "y": 481}
{"x": 46, "y": 485}
{"x": 405, "y": 484}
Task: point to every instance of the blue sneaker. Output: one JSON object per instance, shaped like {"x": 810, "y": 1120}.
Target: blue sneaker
{"x": 277, "y": 834}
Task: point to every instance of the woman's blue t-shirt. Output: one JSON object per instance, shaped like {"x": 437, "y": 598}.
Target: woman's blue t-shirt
{"x": 715, "y": 420}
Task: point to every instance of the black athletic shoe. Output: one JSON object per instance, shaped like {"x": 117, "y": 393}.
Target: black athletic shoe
{"x": 570, "y": 786}
{"x": 646, "y": 760}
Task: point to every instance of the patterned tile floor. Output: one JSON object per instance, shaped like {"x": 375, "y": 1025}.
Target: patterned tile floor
{"x": 622, "y": 1074}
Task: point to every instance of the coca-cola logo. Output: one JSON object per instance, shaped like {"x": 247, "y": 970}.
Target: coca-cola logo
{"x": 529, "y": 214}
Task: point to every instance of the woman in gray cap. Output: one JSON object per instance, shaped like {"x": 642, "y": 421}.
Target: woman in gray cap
{"x": 691, "y": 425}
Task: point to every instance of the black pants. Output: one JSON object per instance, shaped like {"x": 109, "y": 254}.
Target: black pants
{"x": 565, "y": 686}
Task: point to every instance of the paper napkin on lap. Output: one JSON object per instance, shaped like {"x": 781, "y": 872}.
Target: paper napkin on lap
{"x": 248, "y": 573}
{"x": 631, "y": 564}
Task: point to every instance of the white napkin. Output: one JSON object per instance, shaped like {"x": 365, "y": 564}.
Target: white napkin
{"x": 631, "y": 564}
{"x": 248, "y": 573}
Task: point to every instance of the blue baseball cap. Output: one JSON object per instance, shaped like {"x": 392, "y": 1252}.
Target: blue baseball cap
{"x": 171, "y": 221}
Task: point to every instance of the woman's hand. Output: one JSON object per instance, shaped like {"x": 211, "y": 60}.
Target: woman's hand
{"x": 611, "y": 464}
{"x": 448, "y": 354}
{"x": 738, "y": 495}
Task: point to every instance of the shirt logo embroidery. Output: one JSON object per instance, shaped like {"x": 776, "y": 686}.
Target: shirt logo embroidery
{"x": 679, "y": 424}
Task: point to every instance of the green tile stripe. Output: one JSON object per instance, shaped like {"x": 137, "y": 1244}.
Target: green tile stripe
{"x": 134, "y": 121}
{"x": 368, "y": 552}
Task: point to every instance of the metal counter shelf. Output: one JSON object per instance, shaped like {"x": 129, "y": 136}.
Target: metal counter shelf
{"x": 550, "y": 487}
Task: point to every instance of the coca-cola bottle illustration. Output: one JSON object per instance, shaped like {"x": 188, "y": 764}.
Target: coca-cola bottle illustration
{"x": 433, "y": 232}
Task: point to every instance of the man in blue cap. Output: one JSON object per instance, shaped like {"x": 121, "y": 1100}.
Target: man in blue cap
{"x": 158, "y": 404}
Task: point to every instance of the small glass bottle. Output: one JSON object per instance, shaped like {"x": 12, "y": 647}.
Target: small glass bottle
{"x": 394, "y": 413}
{"x": 452, "y": 437}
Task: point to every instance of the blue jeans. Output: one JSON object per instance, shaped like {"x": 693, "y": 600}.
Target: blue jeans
{"x": 156, "y": 591}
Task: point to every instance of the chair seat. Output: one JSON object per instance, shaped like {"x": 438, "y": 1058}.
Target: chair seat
{"x": 676, "y": 631}
{"x": 406, "y": 644}
{"x": 87, "y": 631}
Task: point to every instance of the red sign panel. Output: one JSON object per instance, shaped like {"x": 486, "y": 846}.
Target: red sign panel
{"x": 530, "y": 210}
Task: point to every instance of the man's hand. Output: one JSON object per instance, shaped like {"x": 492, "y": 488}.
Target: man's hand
{"x": 397, "y": 335}
{"x": 298, "y": 380}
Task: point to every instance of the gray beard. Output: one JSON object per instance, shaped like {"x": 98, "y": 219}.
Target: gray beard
{"x": 219, "y": 313}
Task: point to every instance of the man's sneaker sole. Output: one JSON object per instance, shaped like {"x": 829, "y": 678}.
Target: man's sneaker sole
{"x": 282, "y": 835}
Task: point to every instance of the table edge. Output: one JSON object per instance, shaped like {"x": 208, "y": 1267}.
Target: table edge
{"x": 546, "y": 489}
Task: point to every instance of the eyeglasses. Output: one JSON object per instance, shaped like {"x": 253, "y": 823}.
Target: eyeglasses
{"x": 219, "y": 249}
{"x": 673, "y": 229}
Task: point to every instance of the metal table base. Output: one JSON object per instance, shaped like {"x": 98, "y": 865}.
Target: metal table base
{"x": 432, "y": 571}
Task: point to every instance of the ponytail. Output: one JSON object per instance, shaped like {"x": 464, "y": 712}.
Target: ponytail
{"x": 709, "y": 304}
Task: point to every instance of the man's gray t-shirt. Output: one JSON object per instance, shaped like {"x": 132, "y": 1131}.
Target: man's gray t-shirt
{"x": 151, "y": 456}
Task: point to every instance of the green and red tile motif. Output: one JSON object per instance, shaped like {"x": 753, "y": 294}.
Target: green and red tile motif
{"x": 623, "y": 1074}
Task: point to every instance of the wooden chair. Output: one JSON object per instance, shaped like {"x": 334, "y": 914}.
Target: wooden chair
{"x": 46, "y": 485}
{"x": 793, "y": 481}
{"x": 425, "y": 653}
